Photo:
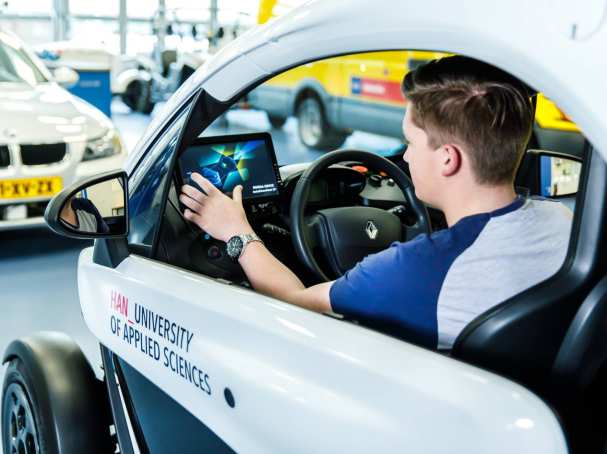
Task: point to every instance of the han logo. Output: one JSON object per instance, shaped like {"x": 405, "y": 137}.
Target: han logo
{"x": 119, "y": 303}
{"x": 371, "y": 230}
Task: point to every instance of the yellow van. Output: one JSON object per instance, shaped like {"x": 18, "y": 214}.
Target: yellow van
{"x": 333, "y": 97}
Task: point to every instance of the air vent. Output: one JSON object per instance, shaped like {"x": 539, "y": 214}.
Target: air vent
{"x": 5, "y": 156}
{"x": 34, "y": 155}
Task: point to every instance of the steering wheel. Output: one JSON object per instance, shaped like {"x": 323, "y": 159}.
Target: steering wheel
{"x": 346, "y": 235}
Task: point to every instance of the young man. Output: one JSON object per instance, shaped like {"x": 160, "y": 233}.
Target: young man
{"x": 467, "y": 126}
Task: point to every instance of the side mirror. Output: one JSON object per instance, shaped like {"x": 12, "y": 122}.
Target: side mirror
{"x": 559, "y": 176}
{"x": 94, "y": 208}
{"x": 549, "y": 173}
{"x": 66, "y": 77}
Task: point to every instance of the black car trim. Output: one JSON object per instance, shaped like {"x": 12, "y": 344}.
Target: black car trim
{"x": 204, "y": 111}
{"x": 120, "y": 423}
{"x": 130, "y": 407}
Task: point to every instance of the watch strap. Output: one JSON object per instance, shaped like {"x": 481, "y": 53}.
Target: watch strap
{"x": 246, "y": 239}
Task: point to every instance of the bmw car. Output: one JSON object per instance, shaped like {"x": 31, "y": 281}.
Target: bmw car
{"x": 195, "y": 360}
{"x": 48, "y": 139}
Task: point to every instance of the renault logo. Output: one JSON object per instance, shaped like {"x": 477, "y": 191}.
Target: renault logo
{"x": 371, "y": 230}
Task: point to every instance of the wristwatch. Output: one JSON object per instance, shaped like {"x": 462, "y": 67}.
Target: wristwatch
{"x": 235, "y": 245}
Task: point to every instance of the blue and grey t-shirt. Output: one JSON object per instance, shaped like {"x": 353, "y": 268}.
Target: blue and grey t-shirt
{"x": 428, "y": 289}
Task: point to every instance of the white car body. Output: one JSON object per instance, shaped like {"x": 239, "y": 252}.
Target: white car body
{"x": 45, "y": 113}
{"x": 306, "y": 383}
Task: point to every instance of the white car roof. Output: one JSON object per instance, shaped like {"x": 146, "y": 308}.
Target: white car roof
{"x": 556, "y": 46}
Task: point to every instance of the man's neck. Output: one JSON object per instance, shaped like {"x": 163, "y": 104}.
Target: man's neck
{"x": 482, "y": 199}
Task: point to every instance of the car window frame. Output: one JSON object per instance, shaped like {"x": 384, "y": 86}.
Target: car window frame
{"x": 149, "y": 251}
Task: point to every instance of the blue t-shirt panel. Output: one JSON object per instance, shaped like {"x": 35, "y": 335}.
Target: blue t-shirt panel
{"x": 396, "y": 291}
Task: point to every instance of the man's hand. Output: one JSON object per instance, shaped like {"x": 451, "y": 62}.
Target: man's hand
{"x": 214, "y": 212}
{"x": 222, "y": 218}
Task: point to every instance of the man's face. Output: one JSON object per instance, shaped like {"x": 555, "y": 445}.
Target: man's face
{"x": 422, "y": 160}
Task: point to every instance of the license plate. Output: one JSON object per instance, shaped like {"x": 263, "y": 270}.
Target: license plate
{"x": 30, "y": 187}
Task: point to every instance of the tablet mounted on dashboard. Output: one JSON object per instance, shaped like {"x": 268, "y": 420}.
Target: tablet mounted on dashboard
{"x": 227, "y": 161}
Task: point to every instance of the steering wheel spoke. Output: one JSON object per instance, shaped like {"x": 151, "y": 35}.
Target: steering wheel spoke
{"x": 312, "y": 230}
{"x": 411, "y": 226}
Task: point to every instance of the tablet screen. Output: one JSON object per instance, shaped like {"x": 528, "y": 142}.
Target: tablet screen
{"x": 226, "y": 162}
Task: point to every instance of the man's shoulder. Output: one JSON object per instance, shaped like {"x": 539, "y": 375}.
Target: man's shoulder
{"x": 543, "y": 214}
{"x": 548, "y": 206}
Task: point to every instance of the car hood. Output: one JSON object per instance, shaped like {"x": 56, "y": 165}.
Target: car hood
{"x": 47, "y": 113}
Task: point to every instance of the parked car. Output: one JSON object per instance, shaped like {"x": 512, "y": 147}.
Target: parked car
{"x": 194, "y": 359}
{"x": 49, "y": 138}
{"x": 333, "y": 97}
{"x": 138, "y": 80}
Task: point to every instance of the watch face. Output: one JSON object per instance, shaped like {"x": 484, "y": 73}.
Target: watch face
{"x": 234, "y": 246}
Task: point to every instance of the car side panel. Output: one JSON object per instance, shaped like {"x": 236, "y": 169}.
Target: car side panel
{"x": 166, "y": 427}
{"x": 299, "y": 381}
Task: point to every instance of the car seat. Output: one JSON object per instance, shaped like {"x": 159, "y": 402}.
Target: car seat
{"x": 520, "y": 337}
{"x": 579, "y": 371}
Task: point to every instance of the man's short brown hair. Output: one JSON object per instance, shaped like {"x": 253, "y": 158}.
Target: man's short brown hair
{"x": 464, "y": 101}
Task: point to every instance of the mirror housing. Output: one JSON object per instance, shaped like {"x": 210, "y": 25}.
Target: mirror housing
{"x": 66, "y": 77}
{"x": 538, "y": 173}
{"x": 92, "y": 208}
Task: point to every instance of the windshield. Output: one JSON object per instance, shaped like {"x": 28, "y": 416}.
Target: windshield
{"x": 16, "y": 66}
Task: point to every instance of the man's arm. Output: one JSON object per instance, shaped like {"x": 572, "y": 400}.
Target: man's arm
{"x": 222, "y": 218}
{"x": 269, "y": 276}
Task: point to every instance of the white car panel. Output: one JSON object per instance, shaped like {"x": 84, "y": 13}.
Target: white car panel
{"x": 47, "y": 114}
{"x": 304, "y": 382}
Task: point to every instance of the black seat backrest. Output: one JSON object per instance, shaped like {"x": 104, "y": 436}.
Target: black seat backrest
{"x": 578, "y": 377}
{"x": 520, "y": 337}
{"x": 584, "y": 350}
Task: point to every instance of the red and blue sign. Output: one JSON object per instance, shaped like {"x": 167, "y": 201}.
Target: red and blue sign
{"x": 384, "y": 90}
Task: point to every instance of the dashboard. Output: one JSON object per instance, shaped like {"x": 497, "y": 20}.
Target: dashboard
{"x": 249, "y": 160}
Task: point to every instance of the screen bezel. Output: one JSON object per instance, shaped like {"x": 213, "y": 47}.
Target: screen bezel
{"x": 232, "y": 138}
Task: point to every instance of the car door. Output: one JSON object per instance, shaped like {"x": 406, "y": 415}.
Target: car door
{"x": 207, "y": 365}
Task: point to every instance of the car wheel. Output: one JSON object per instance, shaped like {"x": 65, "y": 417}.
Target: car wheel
{"x": 32, "y": 424}
{"x": 276, "y": 122}
{"x": 23, "y": 430}
{"x": 313, "y": 127}
{"x": 138, "y": 97}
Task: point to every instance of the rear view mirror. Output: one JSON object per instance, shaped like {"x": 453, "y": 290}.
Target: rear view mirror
{"x": 559, "y": 176}
{"x": 94, "y": 208}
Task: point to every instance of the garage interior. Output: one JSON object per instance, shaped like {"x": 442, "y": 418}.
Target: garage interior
{"x": 98, "y": 74}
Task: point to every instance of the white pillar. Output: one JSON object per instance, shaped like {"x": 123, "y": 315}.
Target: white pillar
{"x": 61, "y": 20}
{"x": 213, "y": 25}
{"x": 161, "y": 26}
{"x": 122, "y": 24}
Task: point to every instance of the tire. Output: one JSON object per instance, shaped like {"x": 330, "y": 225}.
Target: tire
{"x": 138, "y": 97}
{"x": 22, "y": 427}
{"x": 314, "y": 129}
{"x": 276, "y": 122}
{"x": 28, "y": 423}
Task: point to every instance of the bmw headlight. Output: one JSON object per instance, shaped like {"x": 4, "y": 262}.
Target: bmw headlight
{"x": 101, "y": 147}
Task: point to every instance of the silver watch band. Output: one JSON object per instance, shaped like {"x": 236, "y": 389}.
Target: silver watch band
{"x": 246, "y": 239}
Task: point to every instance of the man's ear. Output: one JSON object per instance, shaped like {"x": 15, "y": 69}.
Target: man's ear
{"x": 451, "y": 159}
